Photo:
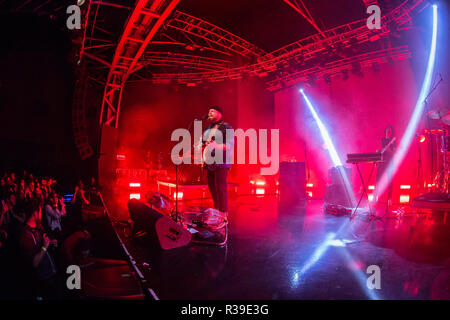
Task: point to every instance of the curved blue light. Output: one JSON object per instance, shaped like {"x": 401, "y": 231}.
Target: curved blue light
{"x": 418, "y": 110}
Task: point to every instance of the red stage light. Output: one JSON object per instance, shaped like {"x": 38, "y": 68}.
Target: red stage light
{"x": 310, "y": 194}
{"x": 370, "y": 197}
{"x": 260, "y": 183}
{"x": 135, "y": 196}
{"x": 371, "y": 188}
{"x": 405, "y": 187}
{"x": 180, "y": 195}
{"x": 260, "y": 191}
{"x": 404, "y": 198}
{"x": 309, "y": 185}
{"x": 422, "y": 138}
{"x": 120, "y": 157}
{"x": 135, "y": 185}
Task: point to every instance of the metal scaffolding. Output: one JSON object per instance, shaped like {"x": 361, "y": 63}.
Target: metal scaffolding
{"x": 144, "y": 21}
{"x": 151, "y": 34}
{"x": 214, "y": 35}
{"x": 330, "y": 41}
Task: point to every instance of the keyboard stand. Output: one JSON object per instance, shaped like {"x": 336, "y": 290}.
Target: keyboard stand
{"x": 353, "y": 215}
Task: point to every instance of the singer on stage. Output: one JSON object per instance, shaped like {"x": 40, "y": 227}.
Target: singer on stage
{"x": 217, "y": 172}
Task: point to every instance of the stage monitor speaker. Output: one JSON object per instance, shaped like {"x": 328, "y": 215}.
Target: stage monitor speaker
{"x": 169, "y": 234}
{"x": 335, "y": 175}
{"x": 292, "y": 182}
{"x": 336, "y": 191}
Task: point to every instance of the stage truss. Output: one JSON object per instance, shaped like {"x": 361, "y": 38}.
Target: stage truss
{"x": 151, "y": 35}
{"x": 331, "y": 43}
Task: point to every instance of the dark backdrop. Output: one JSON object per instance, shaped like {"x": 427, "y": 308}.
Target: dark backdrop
{"x": 36, "y": 86}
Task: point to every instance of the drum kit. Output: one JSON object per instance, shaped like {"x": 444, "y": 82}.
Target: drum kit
{"x": 441, "y": 150}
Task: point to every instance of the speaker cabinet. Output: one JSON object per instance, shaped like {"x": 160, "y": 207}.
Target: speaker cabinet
{"x": 165, "y": 231}
{"x": 292, "y": 182}
{"x": 336, "y": 192}
{"x": 107, "y": 159}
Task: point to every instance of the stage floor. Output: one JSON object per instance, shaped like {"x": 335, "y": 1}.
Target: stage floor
{"x": 300, "y": 252}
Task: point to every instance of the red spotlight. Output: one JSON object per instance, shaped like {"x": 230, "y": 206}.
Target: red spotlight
{"x": 260, "y": 183}
{"x": 371, "y": 188}
{"x": 404, "y": 198}
{"x": 309, "y": 185}
{"x": 120, "y": 157}
{"x": 422, "y": 138}
{"x": 405, "y": 187}
{"x": 260, "y": 191}
{"x": 180, "y": 195}
{"x": 135, "y": 196}
{"x": 135, "y": 185}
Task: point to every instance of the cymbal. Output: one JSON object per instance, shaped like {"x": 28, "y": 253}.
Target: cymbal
{"x": 436, "y": 114}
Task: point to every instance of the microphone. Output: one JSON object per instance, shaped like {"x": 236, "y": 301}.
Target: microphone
{"x": 202, "y": 117}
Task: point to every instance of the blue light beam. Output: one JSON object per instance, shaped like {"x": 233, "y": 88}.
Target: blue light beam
{"x": 418, "y": 110}
{"x": 330, "y": 147}
{"x": 323, "y": 132}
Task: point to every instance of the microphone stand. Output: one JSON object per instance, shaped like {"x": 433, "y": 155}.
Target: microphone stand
{"x": 177, "y": 217}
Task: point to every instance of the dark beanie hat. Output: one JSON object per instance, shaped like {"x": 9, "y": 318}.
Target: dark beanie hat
{"x": 216, "y": 108}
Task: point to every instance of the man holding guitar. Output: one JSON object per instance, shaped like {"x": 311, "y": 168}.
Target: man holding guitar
{"x": 218, "y": 137}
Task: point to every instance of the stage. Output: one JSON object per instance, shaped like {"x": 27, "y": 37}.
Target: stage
{"x": 298, "y": 252}
{"x": 319, "y": 131}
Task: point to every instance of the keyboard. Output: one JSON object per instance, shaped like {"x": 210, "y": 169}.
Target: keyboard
{"x": 364, "y": 157}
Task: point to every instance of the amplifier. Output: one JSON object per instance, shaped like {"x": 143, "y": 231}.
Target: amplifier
{"x": 292, "y": 182}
